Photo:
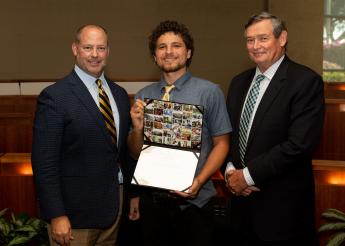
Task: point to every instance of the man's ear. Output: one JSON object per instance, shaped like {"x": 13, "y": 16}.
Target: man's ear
{"x": 283, "y": 38}
{"x": 74, "y": 49}
{"x": 189, "y": 53}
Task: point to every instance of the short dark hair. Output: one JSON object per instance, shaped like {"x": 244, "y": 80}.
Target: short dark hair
{"x": 80, "y": 29}
{"x": 175, "y": 27}
{"x": 278, "y": 25}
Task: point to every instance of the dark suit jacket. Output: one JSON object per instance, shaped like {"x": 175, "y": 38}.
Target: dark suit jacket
{"x": 74, "y": 161}
{"x": 287, "y": 126}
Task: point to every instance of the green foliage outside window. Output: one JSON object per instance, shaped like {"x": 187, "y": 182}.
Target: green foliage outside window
{"x": 334, "y": 41}
{"x": 333, "y": 76}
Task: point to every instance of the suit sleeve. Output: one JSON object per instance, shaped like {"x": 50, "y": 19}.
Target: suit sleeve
{"x": 303, "y": 133}
{"x": 47, "y": 137}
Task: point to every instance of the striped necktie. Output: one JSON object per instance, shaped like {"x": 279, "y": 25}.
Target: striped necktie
{"x": 107, "y": 113}
{"x": 247, "y": 114}
{"x": 167, "y": 89}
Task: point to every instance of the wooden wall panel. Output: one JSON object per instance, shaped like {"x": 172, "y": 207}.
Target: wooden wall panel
{"x": 17, "y": 184}
{"x": 18, "y": 194}
{"x": 332, "y": 144}
{"x": 17, "y": 114}
{"x": 16, "y": 119}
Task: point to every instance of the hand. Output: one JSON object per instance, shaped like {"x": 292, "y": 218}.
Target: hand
{"x": 137, "y": 114}
{"x": 134, "y": 213}
{"x": 61, "y": 230}
{"x": 236, "y": 182}
{"x": 192, "y": 191}
{"x": 227, "y": 180}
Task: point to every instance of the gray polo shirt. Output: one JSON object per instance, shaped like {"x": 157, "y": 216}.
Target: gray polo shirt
{"x": 192, "y": 90}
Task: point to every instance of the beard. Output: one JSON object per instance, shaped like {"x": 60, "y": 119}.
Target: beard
{"x": 171, "y": 69}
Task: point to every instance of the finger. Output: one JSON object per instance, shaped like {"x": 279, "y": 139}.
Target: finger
{"x": 231, "y": 171}
{"x": 180, "y": 193}
{"x": 140, "y": 103}
{"x": 67, "y": 241}
{"x": 246, "y": 192}
{"x": 191, "y": 193}
{"x": 134, "y": 212}
{"x": 70, "y": 235}
{"x": 59, "y": 239}
{"x": 136, "y": 110}
{"x": 253, "y": 188}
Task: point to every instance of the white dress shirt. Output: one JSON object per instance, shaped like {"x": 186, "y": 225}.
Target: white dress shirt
{"x": 90, "y": 82}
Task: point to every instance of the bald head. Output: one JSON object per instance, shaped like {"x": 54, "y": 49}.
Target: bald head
{"x": 88, "y": 27}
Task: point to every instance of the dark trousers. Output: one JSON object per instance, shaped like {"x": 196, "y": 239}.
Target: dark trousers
{"x": 241, "y": 232}
{"x": 163, "y": 221}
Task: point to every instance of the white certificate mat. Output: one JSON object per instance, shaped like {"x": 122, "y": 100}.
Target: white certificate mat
{"x": 165, "y": 168}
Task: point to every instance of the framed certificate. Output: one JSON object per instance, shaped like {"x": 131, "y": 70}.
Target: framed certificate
{"x": 172, "y": 144}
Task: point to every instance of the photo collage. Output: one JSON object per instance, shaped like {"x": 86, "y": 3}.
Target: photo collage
{"x": 174, "y": 124}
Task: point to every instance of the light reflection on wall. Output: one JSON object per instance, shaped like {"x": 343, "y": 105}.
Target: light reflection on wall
{"x": 336, "y": 178}
{"x": 342, "y": 107}
{"x": 341, "y": 87}
{"x": 25, "y": 169}
{"x": 16, "y": 169}
{"x": 330, "y": 177}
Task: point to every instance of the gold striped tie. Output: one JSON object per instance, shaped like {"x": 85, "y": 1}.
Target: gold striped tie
{"x": 107, "y": 113}
{"x": 167, "y": 89}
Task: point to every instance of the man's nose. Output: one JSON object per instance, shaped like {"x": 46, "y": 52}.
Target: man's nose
{"x": 94, "y": 52}
{"x": 168, "y": 50}
{"x": 256, "y": 44}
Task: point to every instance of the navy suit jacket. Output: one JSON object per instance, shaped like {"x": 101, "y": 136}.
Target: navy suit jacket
{"x": 287, "y": 126}
{"x": 74, "y": 162}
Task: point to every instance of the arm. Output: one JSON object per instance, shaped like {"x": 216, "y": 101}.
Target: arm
{"x": 47, "y": 136}
{"x": 213, "y": 163}
{"x": 135, "y": 139}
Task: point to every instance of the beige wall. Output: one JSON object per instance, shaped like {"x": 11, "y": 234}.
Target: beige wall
{"x": 37, "y": 35}
{"x": 305, "y": 26}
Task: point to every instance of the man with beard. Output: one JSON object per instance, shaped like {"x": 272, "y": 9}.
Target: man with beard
{"x": 173, "y": 217}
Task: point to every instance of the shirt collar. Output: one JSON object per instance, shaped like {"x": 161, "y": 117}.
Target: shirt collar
{"x": 269, "y": 73}
{"x": 178, "y": 83}
{"x": 87, "y": 79}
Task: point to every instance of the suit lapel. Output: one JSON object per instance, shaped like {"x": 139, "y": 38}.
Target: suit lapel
{"x": 82, "y": 93}
{"x": 270, "y": 94}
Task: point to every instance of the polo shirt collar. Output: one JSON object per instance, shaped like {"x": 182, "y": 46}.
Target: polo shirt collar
{"x": 178, "y": 83}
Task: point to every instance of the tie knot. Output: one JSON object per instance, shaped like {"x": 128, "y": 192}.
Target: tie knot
{"x": 259, "y": 78}
{"x": 99, "y": 83}
{"x": 168, "y": 88}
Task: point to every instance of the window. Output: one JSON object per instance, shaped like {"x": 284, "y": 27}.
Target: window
{"x": 334, "y": 41}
